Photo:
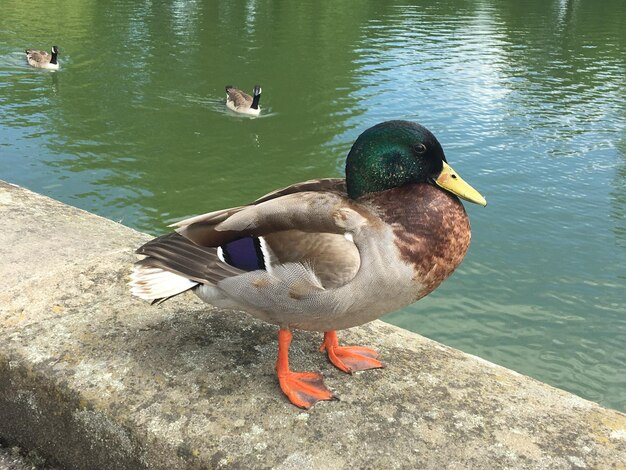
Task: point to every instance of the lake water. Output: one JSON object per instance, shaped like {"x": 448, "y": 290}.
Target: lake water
{"x": 527, "y": 99}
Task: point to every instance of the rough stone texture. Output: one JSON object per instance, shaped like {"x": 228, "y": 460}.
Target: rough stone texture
{"x": 14, "y": 458}
{"x": 92, "y": 378}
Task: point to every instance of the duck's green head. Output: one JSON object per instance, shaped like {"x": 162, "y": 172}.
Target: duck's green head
{"x": 395, "y": 153}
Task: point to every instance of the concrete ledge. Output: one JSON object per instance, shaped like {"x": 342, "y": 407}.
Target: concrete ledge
{"x": 91, "y": 378}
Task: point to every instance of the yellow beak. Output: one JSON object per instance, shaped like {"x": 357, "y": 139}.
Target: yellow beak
{"x": 449, "y": 180}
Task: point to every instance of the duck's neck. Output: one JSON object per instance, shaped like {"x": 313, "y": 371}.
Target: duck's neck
{"x": 54, "y": 57}
{"x": 255, "y": 101}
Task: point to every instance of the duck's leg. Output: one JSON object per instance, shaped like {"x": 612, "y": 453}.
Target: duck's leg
{"x": 349, "y": 358}
{"x": 304, "y": 389}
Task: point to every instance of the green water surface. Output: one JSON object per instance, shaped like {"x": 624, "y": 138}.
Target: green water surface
{"x": 527, "y": 99}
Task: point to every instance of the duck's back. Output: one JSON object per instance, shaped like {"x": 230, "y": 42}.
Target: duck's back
{"x": 237, "y": 99}
{"x": 37, "y": 58}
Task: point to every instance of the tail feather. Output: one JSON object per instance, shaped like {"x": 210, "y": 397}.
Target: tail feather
{"x": 173, "y": 252}
{"x": 174, "y": 264}
{"x": 152, "y": 283}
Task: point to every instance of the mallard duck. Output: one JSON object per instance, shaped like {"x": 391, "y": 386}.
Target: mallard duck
{"x": 43, "y": 60}
{"x": 325, "y": 254}
{"x": 241, "y": 102}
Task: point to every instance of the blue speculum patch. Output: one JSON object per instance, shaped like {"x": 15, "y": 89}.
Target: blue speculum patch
{"x": 244, "y": 253}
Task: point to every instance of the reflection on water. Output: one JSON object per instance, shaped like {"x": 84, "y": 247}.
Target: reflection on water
{"x": 527, "y": 99}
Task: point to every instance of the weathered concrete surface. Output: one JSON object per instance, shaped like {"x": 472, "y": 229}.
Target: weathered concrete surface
{"x": 92, "y": 378}
{"x": 14, "y": 458}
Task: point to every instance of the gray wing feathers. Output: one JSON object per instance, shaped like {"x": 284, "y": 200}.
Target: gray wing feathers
{"x": 334, "y": 259}
{"x": 307, "y": 212}
{"x": 337, "y": 185}
{"x": 210, "y": 218}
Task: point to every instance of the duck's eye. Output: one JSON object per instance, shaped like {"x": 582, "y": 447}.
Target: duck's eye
{"x": 453, "y": 176}
{"x": 419, "y": 148}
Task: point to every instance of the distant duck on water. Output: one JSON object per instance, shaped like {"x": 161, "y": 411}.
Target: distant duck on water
{"x": 43, "y": 60}
{"x": 241, "y": 102}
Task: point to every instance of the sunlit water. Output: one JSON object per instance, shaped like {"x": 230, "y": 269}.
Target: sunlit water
{"x": 527, "y": 98}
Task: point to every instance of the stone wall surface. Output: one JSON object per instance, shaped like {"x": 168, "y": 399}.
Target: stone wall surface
{"x": 92, "y": 378}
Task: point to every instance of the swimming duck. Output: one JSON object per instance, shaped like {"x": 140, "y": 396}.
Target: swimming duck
{"x": 325, "y": 254}
{"x": 43, "y": 60}
{"x": 241, "y": 102}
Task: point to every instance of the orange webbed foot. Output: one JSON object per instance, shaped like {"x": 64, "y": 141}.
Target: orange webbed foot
{"x": 305, "y": 389}
{"x": 349, "y": 358}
